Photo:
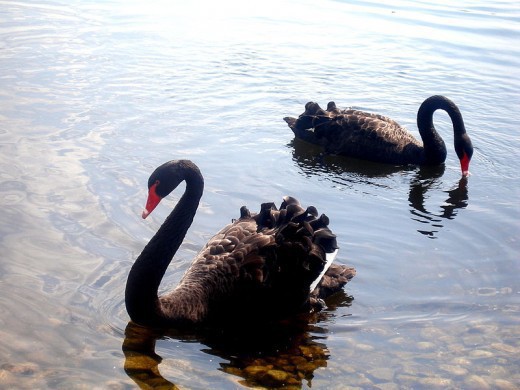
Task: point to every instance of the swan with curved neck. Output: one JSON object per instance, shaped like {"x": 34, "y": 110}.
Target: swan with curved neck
{"x": 377, "y": 138}
{"x": 269, "y": 264}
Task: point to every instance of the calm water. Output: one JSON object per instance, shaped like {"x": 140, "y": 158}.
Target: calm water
{"x": 95, "y": 94}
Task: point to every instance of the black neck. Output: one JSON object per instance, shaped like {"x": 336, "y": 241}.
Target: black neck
{"x": 434, "y": 147}
{"x": 149, "y": 268}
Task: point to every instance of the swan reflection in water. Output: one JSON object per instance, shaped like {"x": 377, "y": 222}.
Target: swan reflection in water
{"x": 275, "y": 355}
{"x": 350, "y": 172}
{"x": 426, "y": 179}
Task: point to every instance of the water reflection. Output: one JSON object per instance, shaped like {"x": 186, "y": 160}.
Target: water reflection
{"x": 426, "y": 179}
{"x": 349, "y": 172}
{"x": 312, "y": 161}
{"x": 267, "y": 355}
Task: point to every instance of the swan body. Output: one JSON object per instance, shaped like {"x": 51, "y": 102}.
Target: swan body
{"x": 269, "y": 264}
{"x": 377, "y": 138}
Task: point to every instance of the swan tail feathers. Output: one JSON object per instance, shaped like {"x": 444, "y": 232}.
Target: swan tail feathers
{"x": 333, "y": 280}
{"x": 304, "y": 246}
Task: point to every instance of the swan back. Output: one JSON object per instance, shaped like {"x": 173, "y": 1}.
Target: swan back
{"x": 263, "y": 264}
{"x": 356, "y": 133}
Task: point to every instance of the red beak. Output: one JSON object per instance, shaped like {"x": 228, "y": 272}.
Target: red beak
{"x": 152, "y": 201}
{"x": 464, "y": 165}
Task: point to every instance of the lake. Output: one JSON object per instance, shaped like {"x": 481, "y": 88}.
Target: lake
{"x": 95, "y": 94}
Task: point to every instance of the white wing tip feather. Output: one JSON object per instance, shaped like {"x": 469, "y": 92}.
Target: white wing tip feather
{"x": 330, "y": 258}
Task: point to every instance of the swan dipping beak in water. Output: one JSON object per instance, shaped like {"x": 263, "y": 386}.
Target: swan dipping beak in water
{"x": 374, "y": 137}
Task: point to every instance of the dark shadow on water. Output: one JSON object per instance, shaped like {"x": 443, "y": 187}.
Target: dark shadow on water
{"x": 350, "y": 172}
{"x": 274, "y": 355}
{"x": 312, "y": 161}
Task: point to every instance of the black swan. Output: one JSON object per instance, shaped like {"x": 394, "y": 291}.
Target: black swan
{"x": 268, "y": 265}
{"x": 377, "y": 138}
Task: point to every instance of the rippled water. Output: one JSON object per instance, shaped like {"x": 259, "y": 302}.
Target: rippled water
{"x": 94, "y": 95}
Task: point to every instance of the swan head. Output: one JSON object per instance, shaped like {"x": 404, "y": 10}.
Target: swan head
{"x": 162, "y": 182}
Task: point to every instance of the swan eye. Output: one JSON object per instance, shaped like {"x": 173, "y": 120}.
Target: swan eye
{"x": 157, "y": 182}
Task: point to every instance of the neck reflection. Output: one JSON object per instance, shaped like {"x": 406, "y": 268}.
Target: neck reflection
{"x": 360, "y": 175}
{"x": 428, "y": 179}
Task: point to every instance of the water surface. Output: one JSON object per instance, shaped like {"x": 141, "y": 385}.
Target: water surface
{"x": 94, "y": 95}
